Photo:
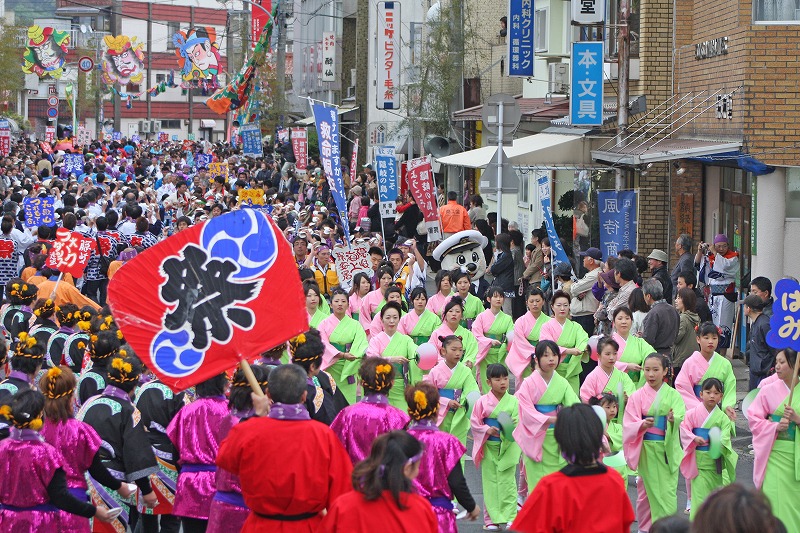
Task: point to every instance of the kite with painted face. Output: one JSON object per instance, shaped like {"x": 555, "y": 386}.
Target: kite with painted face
{"x": 198, "y": 56}
{"x": 123, "y": 61}
{"x": 45, "y": 52}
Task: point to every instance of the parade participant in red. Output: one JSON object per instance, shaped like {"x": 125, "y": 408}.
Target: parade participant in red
{"x": 384, "y": 498}
{"x": 286, "y": 495}
{"x": 77, "y": 442}
{"x": 567, "y": 500}
{"x": 33, "y": 486}
{"x": 196, "y": 432}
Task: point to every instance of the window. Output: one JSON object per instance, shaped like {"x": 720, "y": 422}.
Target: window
{"x": 793, "y": 192}
{"x": 132, "y": 87}
{"x": 172, "y": 29}
{"x": 170, "y": 124}
{"x": 772, "y": 11}
{"x": 540, "y": 30}
{"x": 161, "y": 78}
{"x": 523, "y": 193}
{"x": 612, "y": 44}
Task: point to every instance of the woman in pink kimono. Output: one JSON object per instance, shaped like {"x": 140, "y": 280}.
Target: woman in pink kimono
{"x": 526, "y": 334}
{"x": 443, "y": 294}
{"x": 361, "y": 287}
{"x": 398, "y": 349}
{"x": 393, "y": 294}
{"x": 570, "y": 337}
{"x": 373, "y": 301}
{"x": 419, "y": 323}
{"x": 451, "y": 325}
{"x": 345, "y": 344}
{"x": 491, "y": 329}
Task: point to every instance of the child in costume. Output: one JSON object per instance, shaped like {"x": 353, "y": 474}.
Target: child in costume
{"x": 316, "y": 313}
{"x": 358, "y": 425}
{"x": 77, "y": 442}
{"x": 585, "y": 495}
{"x": 491, "y": 328}
{"x": 774, "y": 425}
{"x": 33, "y": 478}
{"x": 540, "y": 396}
{"x": 613, "y": 435}
{"x": 128, "y": 454}
{"x": 158, "y": 405}
{"x": 16, "y": 316}
{"x": 472, "y": 304}
{"x": 228, "y": 511}
{"x": 419, "y": 323}
{"x": 705, "y": 473}
{"x": 527, "y": 329}
{"x": 345, "y": 345}
{"x": 606, "y": 377}
{"x": 43, "y": 326}
{"x": 361, "y": 287}
{"x": 707, "y": 364}
{"x": 495, "y": 454}
{"x": 103, "y": 346}
{"x": 196, "y": 432}
{"x": 374, "y": 300}
{"x": 441, "y": 476}
{"x": 632, "y": 348}
{"x": 444, "y": 289}
{"x": 384, "y": 498}
{"x": 651, "y": 442}
{"x": 68, "y": 316}
{"x": 570, "y": 337}
{"x": 451, "y": 325}
{"x": 324, "y": 400}
{"x": 76, "y": 344}
{"x": 393, "y": 294}
{"x": 398, "y": 349}
{"x": 454, "y": 382}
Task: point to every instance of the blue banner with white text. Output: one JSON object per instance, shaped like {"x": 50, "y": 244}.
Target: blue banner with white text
{"x": 559, "y": 255}
{"x": 618, "y": 223}
{"x": 328, "y": 134}
{"x": 586, "y": 84}
{"x": 520, "y": 38}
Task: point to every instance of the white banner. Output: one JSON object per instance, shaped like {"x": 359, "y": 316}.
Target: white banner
{"x": 588, "y": 11}
{"x": 328, "y": 56}
{"x": 351, "y": 261}
{"x": 388, "y": 52}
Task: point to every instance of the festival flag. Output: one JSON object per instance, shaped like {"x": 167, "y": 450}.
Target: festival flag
{"x": 220, "y": 292}
{"x": 328, "y": 135}
{"x": 70, "y": 252}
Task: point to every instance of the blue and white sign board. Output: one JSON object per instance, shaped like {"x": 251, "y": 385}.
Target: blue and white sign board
{"x": 387, "y": 180}
{"x": 520, "y": 38}
{"x": 618, "y": 222}
{"x": 586, "y": 84}
{"x": 251, "y": 140}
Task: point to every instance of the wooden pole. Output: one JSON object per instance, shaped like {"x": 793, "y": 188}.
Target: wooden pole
{"x": 251, "y": 378}
{"x": 53, "y": 294}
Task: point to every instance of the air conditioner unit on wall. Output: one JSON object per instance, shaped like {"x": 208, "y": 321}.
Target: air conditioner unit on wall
{"x": 144, "y": 126}
{"x": 156, "y": 127}
{"x": 558, "y": 78}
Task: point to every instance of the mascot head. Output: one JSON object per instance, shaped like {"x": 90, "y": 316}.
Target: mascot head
{"x": 463, "y": 250}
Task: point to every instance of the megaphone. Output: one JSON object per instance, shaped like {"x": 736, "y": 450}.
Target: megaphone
{"x": 437, "y": 146}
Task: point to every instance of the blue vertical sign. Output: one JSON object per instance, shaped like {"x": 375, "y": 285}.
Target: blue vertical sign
{"x": 560, "y": 256}
{"x": 520, "y": 38}
{"x": 387, "y": 180}
{"x": 327, "y": 122}
{"x": 251, "y": 140}
{"x": 618, "y": 223}
{"x": 586, "y": 84}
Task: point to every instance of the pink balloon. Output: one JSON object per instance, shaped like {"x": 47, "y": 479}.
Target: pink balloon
{"x": 593, "y": 346}
{"x": 428, "y": 356}
{"x": 509, "y": 339}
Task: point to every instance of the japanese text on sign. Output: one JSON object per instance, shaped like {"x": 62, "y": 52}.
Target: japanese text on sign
{"x": 353, "y": 160}
{"x": 785, "y": 321}
{"x": 520, "y": 38}
{"x": 387, "y": 180}
{"x": 327, "y": 122}
{"x": 39, "y": 211}
{"x": 300, "y": 148}
{"x": 218, "y": 169}
{"x": 328, "y": 56}
{"x": 586, "y": 85}
{"x": 251, "y": 140}
{"x": 543, "y": 183}
{"x": 388, "y": 51}
{"x": 618, "y": 221}
{"x": 250, "y": 197}
{"x": 420, "y": 183}
{"x": 70, "y": 252}
{"x": 73, "y": 164}
{"x": 203, "y": 160}
{"x": 588, "y": 11}
{"x": 351, "y": 261}
{"x": 5, "y": 141}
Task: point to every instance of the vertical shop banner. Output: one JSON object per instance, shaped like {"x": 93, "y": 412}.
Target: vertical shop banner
{"x": 251, "y": 140}
{"x": 327, "y": 122}
{"x": 388, "y": 87}
{"x": 618, "y": 223}
{"x": 259, "y": 16}
{"x": 520, "y": 38}
{"x": 586, "y": 84}
{"x": 328, "y": 56}
{"x": 588, "y": 12}
{"x": 5, "y": 142}
{"x": 50, "y": 134}
{"x": 300, "y": 148}
{"x": 353, "y": 161}
{"x": 420, "y": 183}
{"x": 559, "y": 255}
{"x": 387, "y": 180}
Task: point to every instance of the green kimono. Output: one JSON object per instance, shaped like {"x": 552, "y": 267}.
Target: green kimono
{"x": 619, "y": 377}
{"x": 427, "y": 323}
{"x": 660, "y": 459}
{"x": 559, "y": 393}
{"x": 468, "y": 342}
{"x": 406, "y": 373}
{"x": 498, "y": 467}
{"x": 348, "y": 337}
{"x": 614, "y": 436}
{"x": 472, "y": 308}
{"x": 782, "y": 478}
{"x": 636, "y": 349}
{"x": 499, "y": 330}
{"x": 708, "y": 479}
{"x": 719, "y": 367}
{"x": 457, "y": 422}
{"x": 318, "y": 317}
{"x": 533, "y": 339}
{"x": 572, "y": 336}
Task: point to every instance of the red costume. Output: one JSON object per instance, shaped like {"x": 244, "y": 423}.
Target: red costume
{"x": 352, "y": 513}
{"x": 290, "y": 468}
{"x": 576, "y": 499}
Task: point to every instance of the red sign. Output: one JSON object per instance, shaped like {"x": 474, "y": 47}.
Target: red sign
{"x": 300, "y": 147}
{"x": 259, "y": 19}
{"x": 163, "y": 137}
{"x": 50, "y": 134}
{"x": 46, "y": 148}
{"x": 353, "y": 165}
{"x": 217, "y": 293}
{"x": 5, "y": 142}
{"x": 420, "y": 182}
{"x": 70, "y": 252}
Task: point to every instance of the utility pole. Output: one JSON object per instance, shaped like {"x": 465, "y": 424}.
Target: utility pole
{"x": 150, "y": 62}
{"x": 191, "y": 87}
{"x": 116, "y": 29}
{"x": 623, "y": 73}
{"x": 280, "y": 68}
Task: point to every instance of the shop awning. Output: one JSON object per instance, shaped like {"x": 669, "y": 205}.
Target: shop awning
{"x": 654, "y": 151}
{"x": 542, "y": 148}
{"x": 207, "y": 123}
{"x": 309, "y": 121}
{"x": 737, "y": 159}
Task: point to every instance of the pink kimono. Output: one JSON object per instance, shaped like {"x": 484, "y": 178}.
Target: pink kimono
{"x": 437, "y": 302}
{"x": 520, "y": 350}
{"x": 480, "y": 326}
{"x": 355, "y": 304}
{"x": 594, "y": 384}
{"x": 442, "y": 331}
{"x": 764, "y": 430}
{"x": 632, "y": 438}
{"x": 407, "y": 322}
{"x": 325, "y": 328}
{"x": 532, "y": 427}
{"x": 695, "y": 418}
{"x": 376, "y": 326}
{"x": 378, "y": 344}
{"x": 369, "y": 304}
{"x": 622, "y": 343}
{"x": 438, "y": 377}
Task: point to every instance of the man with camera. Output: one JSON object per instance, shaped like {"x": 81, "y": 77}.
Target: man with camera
{"x": 718, "y": 268}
